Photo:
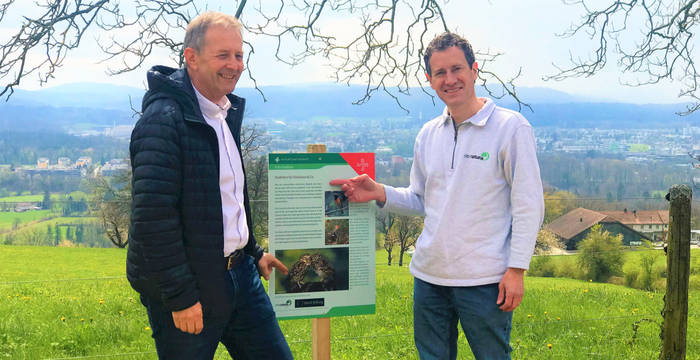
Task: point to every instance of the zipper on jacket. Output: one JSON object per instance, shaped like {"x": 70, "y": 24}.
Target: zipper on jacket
{"x": 454, "y": 147}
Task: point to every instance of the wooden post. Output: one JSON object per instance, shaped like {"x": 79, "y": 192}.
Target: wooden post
{"x": 320, "y": 327}
{"x": 321, "y": 339}
{"x": 675, "y": 323}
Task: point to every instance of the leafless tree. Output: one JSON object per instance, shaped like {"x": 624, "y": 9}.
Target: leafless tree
{"x": 256, "y": 180}
{"x": 111, "y": 201}
{"x": 381, "y": 46}
{"x": 389, "y": 242}
{"x": 406, "y": 230}
{"x": 662, "y": 49}
{"x": 385, "y": 220}
{"x": 253, "y": 140}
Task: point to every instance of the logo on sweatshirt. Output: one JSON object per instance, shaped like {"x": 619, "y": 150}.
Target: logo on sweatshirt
{"x": 484, "y": 156}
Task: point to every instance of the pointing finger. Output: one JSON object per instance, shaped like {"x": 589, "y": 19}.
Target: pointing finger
{"x": 336, "y": 182}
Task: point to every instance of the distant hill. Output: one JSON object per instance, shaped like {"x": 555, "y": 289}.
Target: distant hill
{"x": 64, "y": 106}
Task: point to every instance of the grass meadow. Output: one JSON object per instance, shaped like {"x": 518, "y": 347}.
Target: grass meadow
{"x": 7, "y": 219}
{"x": 75, "y": 303}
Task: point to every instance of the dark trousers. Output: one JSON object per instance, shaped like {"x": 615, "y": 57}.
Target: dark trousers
{"x": 437, "y": 309}
{"x": 252, "y": 331}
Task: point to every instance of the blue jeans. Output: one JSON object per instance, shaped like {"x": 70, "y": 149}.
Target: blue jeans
{"x": 252, "y": 331}
{"x": 436, "y": 310}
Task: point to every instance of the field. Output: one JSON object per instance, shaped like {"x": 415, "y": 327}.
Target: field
{"x": 75, "y": 303}
{"x": 76, "y": 195}
{"x": 7, "y": 219}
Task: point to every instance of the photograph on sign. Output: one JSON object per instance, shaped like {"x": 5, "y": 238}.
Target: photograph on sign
{"x": 337, "y": 231}
{"x": 336, "y": 203}
{"x": 313, "y": 270}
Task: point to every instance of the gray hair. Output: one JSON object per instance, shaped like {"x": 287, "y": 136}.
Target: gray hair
{"x": 197, "y": 28}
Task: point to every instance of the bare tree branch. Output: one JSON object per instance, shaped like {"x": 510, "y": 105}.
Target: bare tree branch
{"x": 253, "y": 139}
{"x": 56, "y": 31}
{"x": 663, "y": 49}
{"x": 379, "y": 43}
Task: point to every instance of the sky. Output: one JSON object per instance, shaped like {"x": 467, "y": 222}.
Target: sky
{"x": 525, "y": 31}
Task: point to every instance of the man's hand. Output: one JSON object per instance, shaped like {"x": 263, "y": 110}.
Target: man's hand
{"x": 189, "y": 320}
{"x": 511, "y": 289}
{"x": 361, "y": 189}
{"x": 267, "y": 263}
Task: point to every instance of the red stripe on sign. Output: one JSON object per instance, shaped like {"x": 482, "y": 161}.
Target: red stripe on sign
{"x": 362, "y": 163}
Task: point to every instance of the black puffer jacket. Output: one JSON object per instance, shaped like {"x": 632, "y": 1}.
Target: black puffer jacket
{"x": 176, "y": 234}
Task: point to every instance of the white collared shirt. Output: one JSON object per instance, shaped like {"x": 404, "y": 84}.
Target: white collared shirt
{"x": 231, "y": 177}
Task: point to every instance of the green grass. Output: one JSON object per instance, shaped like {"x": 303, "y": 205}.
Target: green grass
{"x": 7, "y": 219}
{"x": 22, "y": 198}
{"x": 57, "y": 220}
{"x": 77, "y": 195}
{"x": 73, "y": 302}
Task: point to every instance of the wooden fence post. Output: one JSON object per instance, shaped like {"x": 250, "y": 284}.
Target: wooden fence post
{"x": 320, "y": 327}
{"x": 675, "y": 313}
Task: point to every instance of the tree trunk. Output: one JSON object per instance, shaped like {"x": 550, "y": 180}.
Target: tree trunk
{"x": 401, "y": 257}
{"x": 388, "y": 258}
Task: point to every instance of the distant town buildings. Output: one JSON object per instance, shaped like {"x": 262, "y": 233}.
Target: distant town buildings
{"x": 112, "y": 167}
{"x": 64, "y": 162}
{"x": 634, "y": 144}
{"x": 65, "y": 166}
{"x": 42, "y": 163}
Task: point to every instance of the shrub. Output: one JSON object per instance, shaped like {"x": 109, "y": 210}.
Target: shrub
{"x": 645, "y": 273}
{"x": 648, "y": 272}
{"x": 660, "y": 285}
{"x": 693, "y": 282}
{"x": 631, "y": 275}
{"x": 542, "y": 266}
{"x": 568, "y": 269}
{"x": 617, "y": 280}
{"x": 601, "y": 254}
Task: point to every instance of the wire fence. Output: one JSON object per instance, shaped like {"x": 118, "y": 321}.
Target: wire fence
{"x": 573, "y": 200}
{"x": 402, "y": 334}
{"x": 516, "y": 324}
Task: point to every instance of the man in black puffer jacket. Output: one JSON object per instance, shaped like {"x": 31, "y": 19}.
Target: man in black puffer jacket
{"x": 192, "y": 255}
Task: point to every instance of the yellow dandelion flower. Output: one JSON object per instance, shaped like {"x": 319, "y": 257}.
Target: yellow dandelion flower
{"x": 121, "y": 313}
{"x": 81, "y": 319}
{"x": 590, "y": 280}
{"x": 585, "y": 290}
{"x": 529, "y": 315}
{"x": 545, "y": 313}
{"x": 549, "y": 346}
{"x": 147, "y": 328}
{"x": 558, "y": 318}
{"x": 63, "y": 318}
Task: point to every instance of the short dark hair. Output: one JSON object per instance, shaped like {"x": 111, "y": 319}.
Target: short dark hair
{"x": 443, "y": 42}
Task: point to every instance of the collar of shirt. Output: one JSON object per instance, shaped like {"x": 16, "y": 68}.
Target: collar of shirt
{"x": 210, "y": 109}
{"x": 478, "y": 119}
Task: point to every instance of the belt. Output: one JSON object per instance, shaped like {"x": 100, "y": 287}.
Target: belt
{"x": 233, "y": 259}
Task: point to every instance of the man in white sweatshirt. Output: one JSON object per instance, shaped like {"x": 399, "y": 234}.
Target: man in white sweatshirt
{"x": 476, "y": 179}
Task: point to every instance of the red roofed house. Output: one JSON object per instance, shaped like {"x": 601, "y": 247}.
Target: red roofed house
{"x": 634, "y": 226}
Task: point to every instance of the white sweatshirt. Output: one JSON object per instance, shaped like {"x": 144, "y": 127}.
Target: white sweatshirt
{"x": 479, "y": 188}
